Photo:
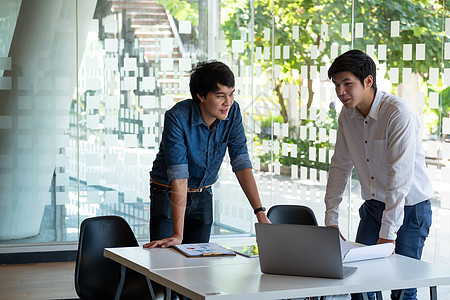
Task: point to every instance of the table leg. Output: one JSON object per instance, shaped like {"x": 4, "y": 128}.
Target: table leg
{"x": 123, "y": 270}
{"x": 433, "y": 293}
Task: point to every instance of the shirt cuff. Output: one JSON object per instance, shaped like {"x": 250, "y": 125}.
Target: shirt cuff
{"x": 175, "y": 172}
{"x": 388, "y": 232}
{"x": 240, "y": 162}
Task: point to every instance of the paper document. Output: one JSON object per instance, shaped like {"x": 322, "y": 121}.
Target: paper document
{"x": 352, "y": 252}
{"x": 203, "y": 249}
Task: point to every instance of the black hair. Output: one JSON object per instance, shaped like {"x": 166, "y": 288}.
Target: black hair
{"x": 206, "y": 75}
{"x": 356, "y": 62}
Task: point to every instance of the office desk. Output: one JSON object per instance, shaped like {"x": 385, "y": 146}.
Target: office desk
{"x": 238, "y": 277}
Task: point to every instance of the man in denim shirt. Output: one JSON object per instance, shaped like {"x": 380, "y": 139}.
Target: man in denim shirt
{"x": 197, "y": 133}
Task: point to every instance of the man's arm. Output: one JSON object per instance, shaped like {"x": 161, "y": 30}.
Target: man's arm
{"x": 178, "y": 204}
{"x": 248, "y": 185}
{"x": 338, "y": 175}
{"x": 401, "y": 147}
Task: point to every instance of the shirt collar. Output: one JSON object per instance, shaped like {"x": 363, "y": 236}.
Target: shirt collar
{"x": 196, "y": 116}
{"x": 373, "y": 113}
{"x": 374, "y": 109}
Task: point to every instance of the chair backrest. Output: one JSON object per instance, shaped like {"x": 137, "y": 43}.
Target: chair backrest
{"x": 291, "y": 214}
{"x": 97, "y": 277}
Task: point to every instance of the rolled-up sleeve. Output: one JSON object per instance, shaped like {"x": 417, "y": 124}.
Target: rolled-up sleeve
{"x": 237, "y": 144}
{"x": 241, "y": 162}
{"x": 175, "y": 148}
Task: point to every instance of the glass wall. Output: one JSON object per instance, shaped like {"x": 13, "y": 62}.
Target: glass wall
{"x": 84, "y": 86}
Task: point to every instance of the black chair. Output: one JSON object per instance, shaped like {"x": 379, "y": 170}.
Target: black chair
{"x": 97, "y": 277}
{"x": 291, "y": 214}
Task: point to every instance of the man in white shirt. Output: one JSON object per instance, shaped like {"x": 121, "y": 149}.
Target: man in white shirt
{"x": 379, "y": 135}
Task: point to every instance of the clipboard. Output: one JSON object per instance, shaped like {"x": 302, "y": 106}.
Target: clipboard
{"x": 204, "y": 250}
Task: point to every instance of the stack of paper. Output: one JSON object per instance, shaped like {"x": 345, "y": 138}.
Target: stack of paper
{"x": 353, "y": 252}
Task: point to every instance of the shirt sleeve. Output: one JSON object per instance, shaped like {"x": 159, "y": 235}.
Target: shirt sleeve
{"x": 401, "y": 147}
{"x": 237, "y": 143}
{"x": 340, "y": 171}
{"x": 175, "y": 150}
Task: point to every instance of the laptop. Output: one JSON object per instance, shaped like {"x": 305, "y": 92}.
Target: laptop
{"x": 300, "y": 250}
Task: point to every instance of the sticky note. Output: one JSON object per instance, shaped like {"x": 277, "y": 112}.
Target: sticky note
{"x": 303, "y": 132}
{"x": 286, "y": 53}
{"x": 266, "y": 53}
{"x": 276, "y": 147}
{"x": 345, "y": 30}
{"x": 295, "y": 32}
{"x": 166, "y": 64}
{"x": 184, "y": 27}
{"x": 447, "y": 27}
{"x": 276, "y": 128}
{"x": 359, "y": 28}
{"x": 434, "y": 100}
{"x": 293, "y": 150}
{"x": 258, "y": 52}
{"x": 313, "y": 51}
{"x": 407, "y": 52}
{"x": 393, "y": 75}
{"x": 267, "y": 34}
{"x": 445, "y": 125}
{"x": 447, "y": 51}
{"x": 285, "y": 149}
{"x": 322, "y": 155}
{"x": 111, "y": 45}
{"x": 370, "y": 50}
{"x": 110, "y": 25}
{"x": 333, "y": 136}
{"x": 334, "y": 51}
{"x": 395, "y": 28}
{"x": 433, "y": 76}
{"x": 420, "y": 51}
{"x": 294, "y": 173}
{"x": 303, "y": 174}
{"x": 166, "y": 45}
{"x": 277, "y": 52}
{"x": 312, "y": 133}
{"x": 446, "y": 78}
{"x": 285, "y": 129}
{"x": 345, "y": 48}
{"x": 382, "y": 52}
{"x": 407, "y": 74}
{"x": 324, "y": 31}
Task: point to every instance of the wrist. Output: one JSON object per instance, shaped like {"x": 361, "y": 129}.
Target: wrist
{"x": 259, "y": 210}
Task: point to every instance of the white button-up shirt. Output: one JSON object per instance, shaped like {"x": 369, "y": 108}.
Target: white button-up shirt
{"x": 386, "y": 150}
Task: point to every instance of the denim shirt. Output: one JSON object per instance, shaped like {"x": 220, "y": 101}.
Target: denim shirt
{"x": 189, "y": 149}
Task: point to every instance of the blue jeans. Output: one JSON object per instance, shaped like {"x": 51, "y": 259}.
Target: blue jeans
{"x": 410, "y": 237}
{"x": 198, "y": 216}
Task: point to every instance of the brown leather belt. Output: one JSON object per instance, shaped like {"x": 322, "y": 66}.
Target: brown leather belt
{"x": 190, "y": 189}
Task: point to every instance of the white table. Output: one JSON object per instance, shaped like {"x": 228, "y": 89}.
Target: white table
{"x": 238, "y": 277}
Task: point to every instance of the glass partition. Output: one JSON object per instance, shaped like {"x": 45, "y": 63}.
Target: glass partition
{"x": 84, "y": 86}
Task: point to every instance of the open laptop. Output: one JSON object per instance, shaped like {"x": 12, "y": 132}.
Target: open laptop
{"x": 301, "y": 250}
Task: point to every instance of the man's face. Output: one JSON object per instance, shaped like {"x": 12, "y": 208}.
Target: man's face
{"x": 216, "y": 105}
{"x": 352, "y": 92}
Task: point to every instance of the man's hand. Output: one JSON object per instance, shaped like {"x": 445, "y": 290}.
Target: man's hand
{"x": 385, "y": 241}
{"x": 164, "y": 243}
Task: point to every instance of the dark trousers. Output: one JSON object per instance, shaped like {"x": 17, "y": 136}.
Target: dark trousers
{"x": 198, "y": 216}
{"x": 410, "y": 237}
{"x": 197, "y": 220}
